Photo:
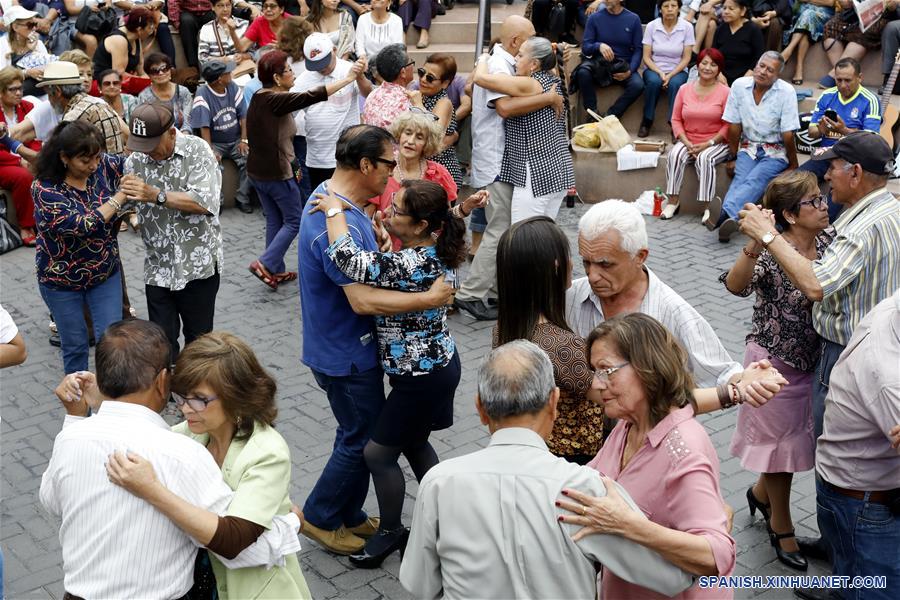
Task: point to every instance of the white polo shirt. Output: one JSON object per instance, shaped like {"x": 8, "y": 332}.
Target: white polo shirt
{"x": 487, "y": 146}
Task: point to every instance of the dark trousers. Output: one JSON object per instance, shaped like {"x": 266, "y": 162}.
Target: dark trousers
{"x": 165, "y": 41}
{"x": 317, "y": 176}
{"x": 190, "y": 34}
{"x": 415, "y": 12}
{"x": 189, "y": 310}
{"x": 828, "y": 356}
{"x": 300, "y": 155}
{"x": 540, "y": 14}
{"x": 634, "y": 87}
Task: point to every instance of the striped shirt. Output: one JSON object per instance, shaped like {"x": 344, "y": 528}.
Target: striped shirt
{"x": 860, "y": 268}
{"x": 709, "y": 361}
{"x": 114, "y": 544}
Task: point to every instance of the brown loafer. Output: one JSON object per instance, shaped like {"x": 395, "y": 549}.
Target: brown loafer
{"x": 339, "y": 541}
{"x": 367, "y": 528}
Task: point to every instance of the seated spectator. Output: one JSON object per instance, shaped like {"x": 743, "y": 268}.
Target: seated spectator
{"x": 221, "y": 37}
{"x": 377, "y": 29}
{"x": 324, "y": 121}
{"x": 12, "y": 345}
{"x": 467, "y": 500}
{"x": 85, "y": 67}
{"x": 14, "y": 173}
{"x": 435, "y": 76}
{"x": 326, "y": 17}
{"x": 772, "y": 17}
{"x": 164, "y": 91}
{"x": 122, "y": 51}
{"x": 705, "y": 23}
{"x": 534, "y": 270}
{"x": 22, "y": 49}
{"x": 760, "y": 138}
{"x": 76, "y": 207}
{"x": 540, "y": 16}
{"x": 218, "y": 112}
{"x": 700, "y": 131}
{"x": 807, "y": 29}
{"x": 264, "y": 29}
{"x": 778, "y": 441}
{"x": 642, "y": 376}
{"x": 417, "y": 13}
{"x": 738, "y": 39}
{"x": 890, "y": 43}
{"x": 163, "y": 35}
{"x": 668, "y": 43}
{"x": 611, "y": 54}
{"x": 110, "y": 82}
{"x": 73, "y": 9}
{"x": 845, "y": 39}
{"x": 391, "y": 98}
{"x": 187, "y": 17}
{"x": 855, "y": 109}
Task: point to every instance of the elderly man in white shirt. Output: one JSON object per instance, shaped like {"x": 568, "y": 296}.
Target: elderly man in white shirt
{"x": 485, "y": 525}
{"x": 115, "y": 545}
{"x": 612, "y": 242}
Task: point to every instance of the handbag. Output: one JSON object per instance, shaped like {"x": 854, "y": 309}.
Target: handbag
{"x": 245, "y": 67}
{"x": 97, "y": 23}
{"x": 9, "y": 237}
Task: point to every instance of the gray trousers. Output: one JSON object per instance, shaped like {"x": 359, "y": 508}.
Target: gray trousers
{"x": 890, "y": 43}
{"x": 230, "y": 151}
{"x": 481, "y": 282}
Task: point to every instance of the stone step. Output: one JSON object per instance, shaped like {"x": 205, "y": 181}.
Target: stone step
{"x": 445, "y": 31}
{"x": 464, "y": 54}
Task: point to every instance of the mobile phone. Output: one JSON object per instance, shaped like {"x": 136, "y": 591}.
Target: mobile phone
{"x": 831, "y": 115}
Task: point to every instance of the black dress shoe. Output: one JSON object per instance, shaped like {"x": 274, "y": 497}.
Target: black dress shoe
{"x": 728, "y": 229}
{"x": 54, "y": 340}
{"x": 245, "y": 207}
{"x": 382, "y": 545}
{"x": 816, "y": 593}
{"x": 478, "y": 309}
{"x": 644, "y": 129}
{"x": 813, "y": 547}
{"x": 794, "y": 560}
{"x": 755, "y": 504}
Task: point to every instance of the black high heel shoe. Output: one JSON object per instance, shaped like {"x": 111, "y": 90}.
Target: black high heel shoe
{"x": 754, "y": 504}
{"x": 364, "y": 560}
{"x": 794, "y": 560}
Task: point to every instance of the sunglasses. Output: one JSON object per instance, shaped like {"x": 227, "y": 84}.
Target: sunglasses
{"x": 196, "y": 403}
{"x": 159, "y": 70}
{"x": 420, "y": 111}
{"x": 111, "y": 84}
{"x": 819, "y": 202}
{"x": 428, "y": 76}
{"x": 377, "y": 159}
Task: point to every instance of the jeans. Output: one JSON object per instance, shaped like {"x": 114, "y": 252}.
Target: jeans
{"x": 190, "y": 310}
{"x": 821, "y": 377}
{"x": 356, "y": 401}
{"x": 819, "y": 167}
{"x": 653, "y": 88}
{"x": 282, "y": 204}
{"x": 300, "y": 156}
{"x": 751, "y": 176}
{"x": 864, "y": 539}
{"x": 478, "y": 220}
{"x": 230, "y": 151}
{"x": 104, "y": 301}
{"x": 634, "y": 86}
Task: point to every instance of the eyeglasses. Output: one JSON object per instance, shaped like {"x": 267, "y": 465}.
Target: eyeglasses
{"x": 602, "y": 375}
{"x": 111, "y": 84}
{"x": 377, "y": 159}
{"x": 15, "y": 89}
{"x": 196, "y": 403}
{"x": 422, "y": 111}
{"x": 410, "y": 63}
{"x": 270, "y": 7}
{"x": 396, "y": 211}
{"x": 159, "y": 70}
{"x": 819, "y": 202}
{"x": 428, "y": 76}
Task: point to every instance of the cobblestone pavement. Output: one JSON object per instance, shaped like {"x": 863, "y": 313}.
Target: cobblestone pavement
{"x": 683, "y": 254}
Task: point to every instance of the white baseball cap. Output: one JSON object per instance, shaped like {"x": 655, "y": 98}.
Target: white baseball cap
{"x": 317, "y": 49}
{"x": 17, "y": 13}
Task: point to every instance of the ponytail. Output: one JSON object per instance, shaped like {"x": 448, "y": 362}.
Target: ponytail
{"x": 451, "y": 242}
{"x": 427, "y": 201}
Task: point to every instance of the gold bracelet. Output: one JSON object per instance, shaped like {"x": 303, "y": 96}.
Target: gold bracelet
{"x": 115, "y": 204}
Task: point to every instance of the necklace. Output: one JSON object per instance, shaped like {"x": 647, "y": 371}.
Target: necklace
{"x": 398, "y": 171}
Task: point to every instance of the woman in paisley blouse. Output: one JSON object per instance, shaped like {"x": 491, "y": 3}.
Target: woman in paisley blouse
{"x": 776, "y": 440}
{"x": 533, "y": 272}
{"x": 417, "y": 351}
{"x": 434, "y": 78}
{"x": 76, "y": 204}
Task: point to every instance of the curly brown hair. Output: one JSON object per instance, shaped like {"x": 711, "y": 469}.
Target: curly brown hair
{"x": 293, "y": 34}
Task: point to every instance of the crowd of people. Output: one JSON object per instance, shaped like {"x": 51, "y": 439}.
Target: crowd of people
{"x": 353, "y": 150}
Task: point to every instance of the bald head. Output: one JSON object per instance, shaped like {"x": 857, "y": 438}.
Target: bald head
{"x": 514, "y": 31}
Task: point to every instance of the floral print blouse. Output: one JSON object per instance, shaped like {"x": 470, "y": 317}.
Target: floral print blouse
{"x": 413, "y": 343}
{"x": 782, "y": 315}
{"x": 76, "y": 249}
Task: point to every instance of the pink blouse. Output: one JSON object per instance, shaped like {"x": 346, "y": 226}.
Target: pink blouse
{"x": 674, "y": 478}
{"x": 700, "y": 119}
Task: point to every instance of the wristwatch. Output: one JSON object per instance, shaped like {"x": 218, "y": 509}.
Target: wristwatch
{"x": 768, "y": 238}
{"x": 161, "y": 197}
{"x": 333, "y": 212}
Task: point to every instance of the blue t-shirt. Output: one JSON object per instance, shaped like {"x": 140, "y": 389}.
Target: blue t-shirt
{"x": 221, "y": 113}
{"x": 336, "y": 340}
{"x": 622, "y": 32}
{"x": 861, "y": 111}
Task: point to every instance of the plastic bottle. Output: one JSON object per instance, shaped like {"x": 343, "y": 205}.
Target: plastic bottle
{"x": 657, "y": 202}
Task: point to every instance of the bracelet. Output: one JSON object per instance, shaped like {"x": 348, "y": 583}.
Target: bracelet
{"x": 115, "y": 204}
{"x": 752, "y": 255}
{"x": 722, "y": 393}
{"x": 245, "y": 141}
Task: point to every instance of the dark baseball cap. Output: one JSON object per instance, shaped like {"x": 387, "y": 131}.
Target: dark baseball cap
{"x": 214, "y": 69}
{"x": 147, "y": 125}
{"x": 865, "y": 148}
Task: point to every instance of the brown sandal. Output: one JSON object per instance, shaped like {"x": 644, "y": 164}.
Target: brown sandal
{"x": 285, "y": 277}
{"x": 262, "y": 274}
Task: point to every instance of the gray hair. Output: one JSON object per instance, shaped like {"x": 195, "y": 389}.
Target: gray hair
{"x": 615, "y": 215}
{"x": 541, "y": 50}
{"x": 390, "y": 61}
{"x": 771, "y": 54}
{"x": 68, "y": 90}
{"x": 515, "y": 379}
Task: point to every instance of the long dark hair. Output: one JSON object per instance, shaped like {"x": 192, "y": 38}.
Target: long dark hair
{"x": 532, "y": 275}
{"x": 316, "y": 12}
{"x": 427, "y": 201}
{"x": 72, "y": 138}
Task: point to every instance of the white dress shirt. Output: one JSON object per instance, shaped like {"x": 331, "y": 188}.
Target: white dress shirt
{"x": 708, "y": 359}
{"x": 116, "y": 545}
{"x": 485, "y": 526}
{"x": 487, "y": 146}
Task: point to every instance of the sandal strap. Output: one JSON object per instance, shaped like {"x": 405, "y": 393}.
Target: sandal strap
{"x": 782, "y": 536}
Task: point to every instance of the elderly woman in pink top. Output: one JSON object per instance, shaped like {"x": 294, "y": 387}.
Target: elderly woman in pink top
{"x": 701, "y": 133}
{"x": 659, "y": 453}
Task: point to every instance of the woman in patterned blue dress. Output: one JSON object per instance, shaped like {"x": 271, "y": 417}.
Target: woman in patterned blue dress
{"x": 416, "y": 349}
{"x": 807, "y": 29}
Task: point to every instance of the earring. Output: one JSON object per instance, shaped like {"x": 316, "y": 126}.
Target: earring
{"x": 792, "y": 222}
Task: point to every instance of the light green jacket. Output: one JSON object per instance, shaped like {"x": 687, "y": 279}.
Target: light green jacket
{"x": 258, "y": 469}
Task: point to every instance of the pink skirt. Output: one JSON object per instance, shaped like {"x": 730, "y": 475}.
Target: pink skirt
{"x": 778, "y": 436}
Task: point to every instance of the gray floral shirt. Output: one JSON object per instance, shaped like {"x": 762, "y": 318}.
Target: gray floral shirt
{"x": 180, "y": 247}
